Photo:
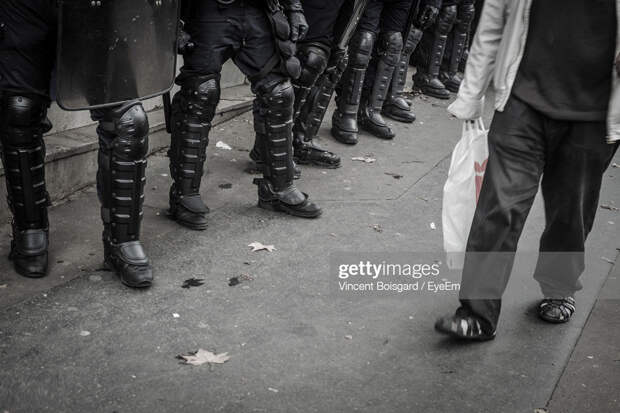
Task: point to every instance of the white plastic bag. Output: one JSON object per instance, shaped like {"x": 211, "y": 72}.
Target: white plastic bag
{"x": 461, "y": 191}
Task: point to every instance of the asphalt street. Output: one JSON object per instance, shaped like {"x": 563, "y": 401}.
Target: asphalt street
{"x": 78, "y": 341}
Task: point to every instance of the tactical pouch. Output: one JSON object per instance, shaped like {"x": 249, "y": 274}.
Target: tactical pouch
{"x": 286, "y": 49}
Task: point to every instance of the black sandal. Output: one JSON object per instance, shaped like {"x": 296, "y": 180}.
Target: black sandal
{"x": 464, "y": 328}
{"x": 556, "y": 310}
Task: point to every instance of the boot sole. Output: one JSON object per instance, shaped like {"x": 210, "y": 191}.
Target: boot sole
{"x": 336, "y": 134}
{"x": 25, "y": 273}
{"x": 398, "y": 118}
{"x": 280, "y": 207}
{"x": 375, "y": 134}
{"x": 435, "y": 95}
{"x": 110, "y": 267}
{"x": 319, "y": 164}
{"x": 194, "y": 227}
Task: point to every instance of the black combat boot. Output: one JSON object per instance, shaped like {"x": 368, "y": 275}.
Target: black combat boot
{"x": 23, "y": 122}
{"x": 349, "y": 90}
{"x": 193, "y": 109}
{"x": 123, "y": 145}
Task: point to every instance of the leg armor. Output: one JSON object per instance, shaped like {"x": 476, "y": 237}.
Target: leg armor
{"x": 256, "y": 154}
{"x": 123, "y": 145}
{"x": 193, "y": 109}
{"x": 396, "y": 106}
{"x": 273, "y": 124}
{"x": 314, "y": 62}
{"x": 388, "y": 53}
{"x": 313, "y": 58}
{"x": 22, "y": 124}
{"x": 451, "y": 78}
{"x": 321, "y": 94}
{"x": 427, "y": 77}
{"x": 348, "y": 92}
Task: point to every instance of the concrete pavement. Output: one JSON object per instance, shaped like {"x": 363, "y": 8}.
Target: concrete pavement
{"x": 78, "y": 341}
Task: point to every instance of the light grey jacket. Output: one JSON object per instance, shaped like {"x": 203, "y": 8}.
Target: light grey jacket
{"x": 496, "y": 54}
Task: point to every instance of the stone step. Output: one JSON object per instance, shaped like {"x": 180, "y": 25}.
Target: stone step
{"x": 71, "y": 159}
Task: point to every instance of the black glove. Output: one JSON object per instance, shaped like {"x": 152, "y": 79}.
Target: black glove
{"x": 428, "y": 16}
{"x": 185, "y": 45}
{"x": 299, "y": 25}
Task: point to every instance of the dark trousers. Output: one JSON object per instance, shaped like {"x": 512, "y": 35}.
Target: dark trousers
{"x": 385, "y": 16}
{"x": 27, "y": 45}
{"x": 240, "y": 32}
{"x": 324, "y": 18}
{"x": 525, "y": 145}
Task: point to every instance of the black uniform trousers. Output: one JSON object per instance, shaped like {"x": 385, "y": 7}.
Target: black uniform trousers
{"x": 27, "y": 45}
{"x": 240, "y": 32}
{"x": 325, "y": 18}
{"x": 525, "y": 145}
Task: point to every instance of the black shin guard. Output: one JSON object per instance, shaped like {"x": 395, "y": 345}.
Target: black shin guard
{"x": 349, "y": 90}
{"x": 387, "y": 56}
{"x": 193, "y": 109}
{"x": 273, "y": 123}
{"x": 450, "y": 74}
{"x": 396, "y": 106}
{"x": 22, "y": 124}
{"x": 123, "y": 145}
{"x": 314, "y": 61}
{"x": 427, "y": 77}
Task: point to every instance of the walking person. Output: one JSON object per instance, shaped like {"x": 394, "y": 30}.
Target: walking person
{"x": 557, "y": 100}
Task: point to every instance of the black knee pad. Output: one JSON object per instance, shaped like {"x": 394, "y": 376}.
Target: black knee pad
{"x": 23, "y": 119}
{"x": 446, "y": 19}
{"x": 198, "y": 98}
{"x": 313, "y": 60}
{"x": 360, "y": 50}
{"x": 125, "y": 129}
{"x": 390, "y": 47}
{"x": 277, "y": 102}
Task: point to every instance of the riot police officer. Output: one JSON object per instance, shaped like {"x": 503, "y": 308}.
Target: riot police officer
{"x": 429, "y": 55}
{"x": 397, "y": 106}
{"x": 323, "y": 55}
{"x": 454, "y": 58}
{"x": 259, "y": 37}
{"x": 361, "y": 94}
{"x": 27, "y": 54}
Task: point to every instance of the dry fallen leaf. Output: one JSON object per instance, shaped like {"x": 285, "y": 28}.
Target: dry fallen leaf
{"x": 377, "y": 228}
{"x": 365, "y": 159}
{"x": 257, "y": 246}
{"x": 192, "y": 282}
{"x": 201, "y": 356}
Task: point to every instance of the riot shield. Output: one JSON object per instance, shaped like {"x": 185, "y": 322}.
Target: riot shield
{"x": 112, "y": 51}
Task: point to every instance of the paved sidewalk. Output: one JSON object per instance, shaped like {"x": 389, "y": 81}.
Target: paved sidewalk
{"x": 78, "y": 341}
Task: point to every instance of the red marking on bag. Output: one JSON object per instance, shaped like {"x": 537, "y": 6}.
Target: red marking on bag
{"x": 479, "y": 168}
